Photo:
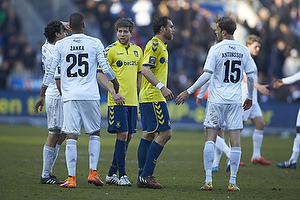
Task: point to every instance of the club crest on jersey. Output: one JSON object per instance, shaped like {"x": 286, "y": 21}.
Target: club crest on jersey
{"x": 152, "y": 60}
{"x": 74, "y": 48}
{"x": 136, "y": 53}
{"x": 162, "y": 60}
{"x": 119, "y": 63}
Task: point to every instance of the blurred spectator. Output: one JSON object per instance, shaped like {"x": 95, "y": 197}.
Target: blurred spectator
{"x": 278, "y": 7}
{"x": 106, "y": 22}
{"x": 12, "y": 20}
{"x": 294, "y": 94}
{"x": 291, "y": 64}
{"x": 4, "y": 71}
{"x": 3, "y": 13}
{"x": 278, "y": 57}
{"x": 28, "y": 58}
{"x": 143, "y": 10}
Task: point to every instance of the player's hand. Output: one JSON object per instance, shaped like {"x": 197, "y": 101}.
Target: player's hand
{"x": 180, "y": 99}
{"x": 247, "y": 104}
{"x": 66, "y": 25}
{"x": 118, "y": 98}
{"x": 199, "y": 102}
{"x": 264, "y": 89}
{"x": 167, "y": 93}
{"x": 277, "y": 84}
{"x": 39, "y": 104}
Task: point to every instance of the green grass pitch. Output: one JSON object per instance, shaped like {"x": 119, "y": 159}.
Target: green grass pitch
{"x": 179, "y": 169}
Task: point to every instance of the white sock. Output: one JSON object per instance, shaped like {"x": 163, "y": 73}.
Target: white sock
{"x": 257, "y": 141}
{"x": 296, "y": 149}
{"x": 217, "y": 157}
{"x": 235, "y": 157}
{"x": 208, "y": 157}
{"x": 55, "y": 154}
{"x": 94, "y": 151}
{"x": 221, "y": 144}
{"x": 71, "y": 156}
{"x": 48, "y": 160}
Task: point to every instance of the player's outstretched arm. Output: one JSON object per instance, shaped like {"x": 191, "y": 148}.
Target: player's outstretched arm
{"x": 262, "y": 88}
{"x": 182, "y": 97}
{"x": 118, "y": 98}
{"x": 116, "y": 85}
{"x": 278, "y": 83}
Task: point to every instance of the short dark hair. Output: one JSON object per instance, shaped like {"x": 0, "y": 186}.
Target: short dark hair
{"x": 52, "y": 28}
{"x": 159, "y": 22}
{"x": 227, "y": 23}
{"x": 76, "y": 21}
{"x": 124, "y": 22}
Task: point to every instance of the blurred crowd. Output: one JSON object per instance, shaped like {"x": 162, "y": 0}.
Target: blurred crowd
{"x": 278, "y": 25}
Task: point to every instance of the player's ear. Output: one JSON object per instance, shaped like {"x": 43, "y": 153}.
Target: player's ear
{"x": 223, "y": 32}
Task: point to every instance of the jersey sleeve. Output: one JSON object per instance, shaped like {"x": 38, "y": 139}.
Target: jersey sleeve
{"x": 103, "y": 62}
{"x": 291, "y": 79}
{"x": 54, "y": 63}
{"x": 151, "y": 52}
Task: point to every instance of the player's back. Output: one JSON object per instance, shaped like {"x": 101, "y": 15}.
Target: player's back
{"x": 47, "y": 50}
{"x": 226, "y": 61}
{"x": 79, "y": 56}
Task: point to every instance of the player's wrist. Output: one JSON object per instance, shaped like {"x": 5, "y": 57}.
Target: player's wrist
{"x": 189, "y": 91}
{"x": 159, "y": 85}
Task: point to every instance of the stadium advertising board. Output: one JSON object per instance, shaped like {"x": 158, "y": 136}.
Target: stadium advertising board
{"x": 17, "y": 107}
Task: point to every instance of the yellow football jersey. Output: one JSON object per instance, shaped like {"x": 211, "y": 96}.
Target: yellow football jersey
{"x": 155, "y": 56}
{"x": 126, "y": 62}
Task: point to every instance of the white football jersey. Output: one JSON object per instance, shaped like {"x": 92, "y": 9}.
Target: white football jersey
{"x": 245, "y": 88}
{"x": 47, "y": 50}
{"x": 78, "y": 56}
{"x": 226, "y": 61}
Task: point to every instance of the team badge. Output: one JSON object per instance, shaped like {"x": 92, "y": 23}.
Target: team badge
{"x": 136, "y": 53}
{"x": 152, "y": 60}
{"x": 119, "y": 63}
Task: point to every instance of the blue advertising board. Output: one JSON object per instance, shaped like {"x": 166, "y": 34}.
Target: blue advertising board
{"x": 17, "y": 108}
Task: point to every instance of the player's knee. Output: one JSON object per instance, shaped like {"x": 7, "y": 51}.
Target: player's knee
{"x": 167, "y": 135}
{"x": 52, "y": 140}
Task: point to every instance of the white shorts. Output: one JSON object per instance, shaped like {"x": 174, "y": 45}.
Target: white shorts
{"x": 298, "y": 119}
{"x": 216, "y": 114}
{"x": 54, "y": 115}
{"x": 253, "y": 112}
{"x": 78, "y": 113}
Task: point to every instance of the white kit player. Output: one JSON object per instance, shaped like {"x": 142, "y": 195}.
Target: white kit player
{"x": 292, "y": 162}
{"x": 224, "y": 67}
{"x": 253, "y": 43}
{"x": 78, "y": 56}
{"x": 53, "y": 32}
